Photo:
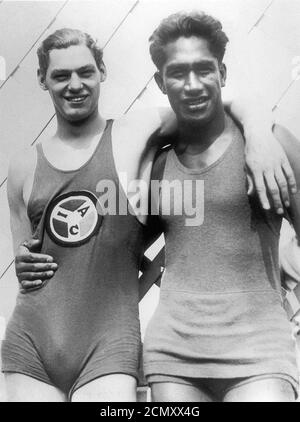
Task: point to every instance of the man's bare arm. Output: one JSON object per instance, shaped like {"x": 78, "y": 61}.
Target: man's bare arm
{"x": 31, "y": 268}
{"x": 266, "y": 160}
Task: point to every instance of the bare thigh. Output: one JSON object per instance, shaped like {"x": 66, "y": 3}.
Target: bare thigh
{"x": 171, "y": 391}
{"x": 114, "y": 387}
{"x": 22, "y": 388}
{"x": 266, "y": 390}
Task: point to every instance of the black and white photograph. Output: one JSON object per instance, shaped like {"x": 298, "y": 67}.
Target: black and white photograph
{"x": 149, "y": 202}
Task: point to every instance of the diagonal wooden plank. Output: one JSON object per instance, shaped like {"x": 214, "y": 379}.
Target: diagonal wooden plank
{"x": 281, "y": 24}
{"x": 110, "y": 14}
{"x": 261, "y": 16}
{"x": 11, "y": 19}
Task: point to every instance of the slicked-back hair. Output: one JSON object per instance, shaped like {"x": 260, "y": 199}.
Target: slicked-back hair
{"x": 64, "y": 38}
{"x": 185, "y": 24}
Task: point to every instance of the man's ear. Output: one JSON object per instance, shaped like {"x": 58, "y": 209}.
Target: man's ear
{"x": 103, "y": 72}
{"x": 42, "y": 80}
{"x": 159, "y": 80}
{"x": 223, "y": 72}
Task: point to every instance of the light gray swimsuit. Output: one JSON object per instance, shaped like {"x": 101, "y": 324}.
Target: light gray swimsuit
{"x": 220, "y": 312}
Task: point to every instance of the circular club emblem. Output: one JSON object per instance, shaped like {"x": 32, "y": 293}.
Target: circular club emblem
{"x": 72, "y": 218}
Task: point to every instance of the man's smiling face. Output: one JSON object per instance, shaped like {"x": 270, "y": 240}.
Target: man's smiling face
{"x": 192, "y": 78}
{"x": 73, "y": 81}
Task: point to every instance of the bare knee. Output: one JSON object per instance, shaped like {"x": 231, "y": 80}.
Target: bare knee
{"x": 108, "y": 388}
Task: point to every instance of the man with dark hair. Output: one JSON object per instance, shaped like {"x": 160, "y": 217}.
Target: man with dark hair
{"x": 201, "y": 25}
{"x": 219, "y": 332}
{"x": 77, "y": 335}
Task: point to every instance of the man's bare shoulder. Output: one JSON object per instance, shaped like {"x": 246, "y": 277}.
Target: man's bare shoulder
{"x": 141, "y": 120}
{"x": 21, "y": 165}
{"x": 133, "y": 132}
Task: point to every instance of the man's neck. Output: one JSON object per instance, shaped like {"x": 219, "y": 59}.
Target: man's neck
{"x": 194, "y": 139}
{"x": 79, "y": 131}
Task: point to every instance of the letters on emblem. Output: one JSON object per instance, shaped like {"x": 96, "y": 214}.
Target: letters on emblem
{"x": 73, "y": 218}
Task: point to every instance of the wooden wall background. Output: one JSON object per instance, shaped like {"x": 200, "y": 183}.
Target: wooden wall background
{"x": 264, "y": 50}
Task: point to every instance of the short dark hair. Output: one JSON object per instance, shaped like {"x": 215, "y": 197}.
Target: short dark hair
{"x": 64, "y": 38}
{"x": 185, "y": 24}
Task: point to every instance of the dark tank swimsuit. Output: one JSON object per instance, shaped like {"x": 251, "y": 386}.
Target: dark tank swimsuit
{"x": 220, "y": 313}
{"x": 84, "y": 322}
